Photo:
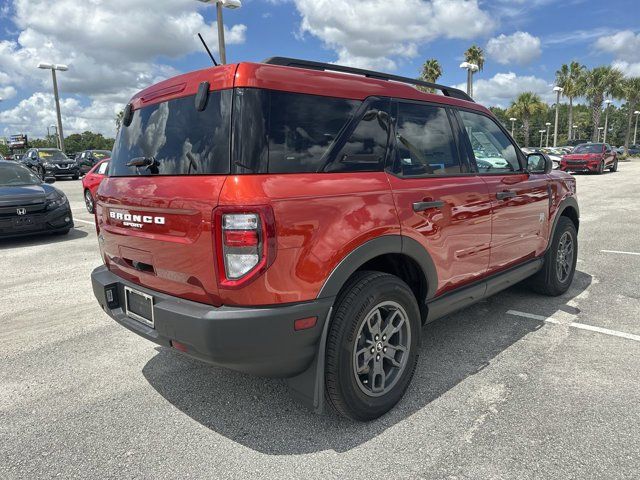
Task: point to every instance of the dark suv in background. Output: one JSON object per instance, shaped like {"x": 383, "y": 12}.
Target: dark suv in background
{"x": 88, "y": 158}
{"x": 51, "y": 162}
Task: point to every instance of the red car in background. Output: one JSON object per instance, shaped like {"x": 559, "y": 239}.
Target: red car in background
{"x": 91, "y": 181}
{"x": 590, "y": 157}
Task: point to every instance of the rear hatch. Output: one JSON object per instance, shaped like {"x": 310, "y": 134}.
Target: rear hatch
{"x": 169, "y": 164}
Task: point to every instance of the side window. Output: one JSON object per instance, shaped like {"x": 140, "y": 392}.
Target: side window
{"x": 493, "y": 151}
{"x": 366, "y": 147}
{"x": 425, "y": 141}
{"x": 102, "y": 169}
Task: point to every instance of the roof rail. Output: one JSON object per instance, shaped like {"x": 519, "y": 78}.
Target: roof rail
{"x": 311, "y": 65}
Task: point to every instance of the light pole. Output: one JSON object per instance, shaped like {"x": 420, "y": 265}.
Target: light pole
{"x": 471, "y": 68}
{"x": 230, "y": 4}
{"x": 635, "y": 131}
{"x": 548, "y": 124}
{"x": 606, "y": 119}
{"x": 513, "y": 123}
{"x": 599, "y": 130}
{"x": 53, "y": 68}
{"x": 541, "y": 136}
{"x": 558, "y": 91}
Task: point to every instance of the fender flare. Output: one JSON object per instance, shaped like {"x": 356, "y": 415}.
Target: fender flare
{"x": 386, "y": 244}
{"x": 566, "y": 202}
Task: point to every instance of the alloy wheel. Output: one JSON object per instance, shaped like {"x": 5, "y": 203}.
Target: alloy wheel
{"x": 564, "y": 257}
{"x": 88, "y": 200}
{"x": 381, "y": 349}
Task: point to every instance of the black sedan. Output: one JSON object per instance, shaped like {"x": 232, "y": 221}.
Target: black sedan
{"x": 29, "y": 206}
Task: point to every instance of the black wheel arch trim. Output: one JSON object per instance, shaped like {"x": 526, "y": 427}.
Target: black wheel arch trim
{"x": 386, "y": 244}
{"x": 567, "y": 202}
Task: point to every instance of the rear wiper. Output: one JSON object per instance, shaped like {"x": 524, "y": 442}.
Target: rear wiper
{"x": 147, "y": 162}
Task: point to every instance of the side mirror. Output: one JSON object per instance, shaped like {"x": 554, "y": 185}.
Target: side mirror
{"x": 49, "y": 179}
{"x": 538, "y": 163}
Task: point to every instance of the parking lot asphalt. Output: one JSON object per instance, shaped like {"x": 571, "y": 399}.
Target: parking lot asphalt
{"x": 517, "y": 386}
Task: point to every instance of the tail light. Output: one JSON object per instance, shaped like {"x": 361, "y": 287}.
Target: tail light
{"x": 245, "y": 243}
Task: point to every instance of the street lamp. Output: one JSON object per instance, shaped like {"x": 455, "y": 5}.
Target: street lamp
{"x": 558, "y": 91}
{"x": 230, "y": 4}
{"x": 548, "y": 124}
{"x": 635, "y": 131}
{"x": 599, "y": 130}
{"x": 513, "y": 122}
{"x": 541, "y": 136}
{"x": 53, "y": 68}
{"x": 471, "y": 69}
{"x": 606, "y": 119}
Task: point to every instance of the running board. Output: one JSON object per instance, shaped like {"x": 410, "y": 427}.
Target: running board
{"x": 471, "y": 294}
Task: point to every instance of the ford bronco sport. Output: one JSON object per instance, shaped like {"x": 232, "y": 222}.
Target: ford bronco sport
{"x": 287, "y": 219}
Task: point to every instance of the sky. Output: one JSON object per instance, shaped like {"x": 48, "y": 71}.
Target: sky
{"x": 116, "y": 47}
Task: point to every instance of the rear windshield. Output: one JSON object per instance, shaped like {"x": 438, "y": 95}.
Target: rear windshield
{"x": 281, "y": 132}
{"x": 592, "y": 148}
{"x": 175, "y": 138}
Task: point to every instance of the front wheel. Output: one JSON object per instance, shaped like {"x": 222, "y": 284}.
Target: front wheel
{"x": 88, "y": 201}
{"x": 372, "y": 345}
{"x": 614, "y": 167}
{"x": 559, "y": 267}
{"x": 600, "y": 170}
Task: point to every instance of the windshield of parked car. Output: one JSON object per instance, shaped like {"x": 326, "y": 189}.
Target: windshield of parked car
{"x": 101, "y": 154}
{"x": 14, "y": 175}
{"x": 589, "y": 148}
{"x": 52, "y": 155}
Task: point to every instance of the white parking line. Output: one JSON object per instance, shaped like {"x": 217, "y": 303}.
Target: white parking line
{"x": 83, "y": 221}
{"x": 621, "y": 252}
{"x": 581, "y": 326}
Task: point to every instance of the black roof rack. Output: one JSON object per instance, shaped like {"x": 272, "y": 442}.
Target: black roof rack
{"x": 294, "y": 62}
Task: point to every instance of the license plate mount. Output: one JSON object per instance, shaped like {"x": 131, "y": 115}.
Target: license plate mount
{"x": 139, "y": 306}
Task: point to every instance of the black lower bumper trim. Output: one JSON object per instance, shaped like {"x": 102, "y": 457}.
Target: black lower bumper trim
{"x": 256, "y": 340}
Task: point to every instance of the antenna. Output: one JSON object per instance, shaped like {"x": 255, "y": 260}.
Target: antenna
{"x": 208, "y": 51}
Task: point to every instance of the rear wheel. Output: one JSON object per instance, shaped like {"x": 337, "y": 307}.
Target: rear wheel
{"x": 556, "y": 275}
{"x": 614, "y": 167}
{"x": 372, "y": 345}
{"x": 88, "y": 201}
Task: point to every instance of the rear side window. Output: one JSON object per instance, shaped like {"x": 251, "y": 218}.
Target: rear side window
{"x": 280, "y": 132}
{"x": 176, "y": 139}
{"x": 425, "y": 141}
{"x": 493, "y": 151}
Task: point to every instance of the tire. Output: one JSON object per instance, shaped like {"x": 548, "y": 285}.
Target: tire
{"x": 368, "y": 395}
{"x": 76, "y": 177}
{"x": 614, "y": 167}
{"x": 88, "y": 201}
{"x": 600, "y": 170}
{"x": 550, "y": 280}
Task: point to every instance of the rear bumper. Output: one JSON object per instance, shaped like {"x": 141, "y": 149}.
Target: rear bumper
{"x": 256, "y": 340}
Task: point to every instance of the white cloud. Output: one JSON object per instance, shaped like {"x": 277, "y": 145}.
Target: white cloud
{"x": 34, "y": 114}
{"x": 625, "y": 46}
{"x": 371, "y": 33}
{"x": 113, "y": 47}
{"x": 501, "y": 89}
{"x": 520, "y": 48}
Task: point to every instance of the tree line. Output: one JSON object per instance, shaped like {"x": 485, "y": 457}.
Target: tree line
{"x": 595, "y": 85}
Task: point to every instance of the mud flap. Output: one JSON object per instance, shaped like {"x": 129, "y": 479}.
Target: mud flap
{"x": 308, "y": 387}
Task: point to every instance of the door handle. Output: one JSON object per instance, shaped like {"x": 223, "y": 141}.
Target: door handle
{"x": 422, "y": 206}
{"x": 505, "y": 194}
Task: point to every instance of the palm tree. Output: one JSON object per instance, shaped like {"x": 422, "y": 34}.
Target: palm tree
{"x": 568, "y": 77}
{"x": 525, "y": 106}
{"x": 631, "y": 93}
{"x": 431, "y": 72}
{"x": 475, "y": 55}
{"x": 595, "y": 84}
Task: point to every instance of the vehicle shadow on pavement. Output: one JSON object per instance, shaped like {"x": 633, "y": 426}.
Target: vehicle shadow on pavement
{"x": 260, "y": 414}
{"x": 42, "y": 239}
